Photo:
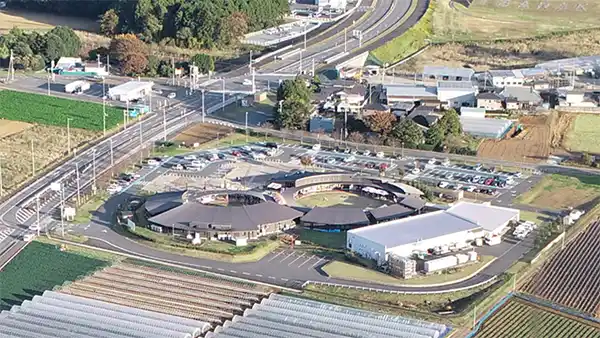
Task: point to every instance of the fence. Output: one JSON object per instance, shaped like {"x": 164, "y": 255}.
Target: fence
{"x": 488, "y": 315}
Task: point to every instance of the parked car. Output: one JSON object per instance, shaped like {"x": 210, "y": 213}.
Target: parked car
{"x": 171, "y": 95}
{"x": 190, "y": 157}
{"x": 350, "y": 159}
{"x": 212, "y": 157}
{"x": 443, "y": 184}
{"x": 28, "y": 237}
{"x": 258, "y": 155}
{"x": 415, "y": 171}
{"x": 114, "y": 188}
{"x": 380, "y": 154}
{"x": 178, "y": 166}
{"x": 316, "y": 146}
{"x": 370, "y": 165}
{"x": 152, "y": 162}
{"x": 432, "y": 161}
{"x": 354, "y": 152}
{"x": 272, "y": 145}
{"x": 247, "y": 82}
{"x": 331, "y": 160}
{"x": 489, "y": 181}
{"x": 236, "y": 153}
{"x": 366, "y": 153}
{"x": 198, "y": 163}
{"x": 446, "y": 162}
{"x": 347, "y": 151}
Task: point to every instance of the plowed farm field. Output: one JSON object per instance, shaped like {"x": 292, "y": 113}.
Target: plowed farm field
{"x": 519, "y": 318}
{"x": 542, "y": 136}
{"x": 572, "y": 277}
{"x": 202, "y": 133}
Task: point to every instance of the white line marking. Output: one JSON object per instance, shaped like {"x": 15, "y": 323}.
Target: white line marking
{"x": 285, "y": 279}
{"x": 312, "y": 266}
{"x": 306, "y": 261}
{"x": 279, "y": 253}
{"x": 246, "y": 273}
{"x": 233, "y": 271}
{"x": 286, "y": 257}
{"x": 257, "y": 275}
{"x": 297, "y": 258}
{"x": 221, "y": 269}
{"x": 271, "y": 277}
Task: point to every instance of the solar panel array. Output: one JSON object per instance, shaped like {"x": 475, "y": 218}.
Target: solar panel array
{"x": 60, "y": 315}
{"x": 288, "y": 317}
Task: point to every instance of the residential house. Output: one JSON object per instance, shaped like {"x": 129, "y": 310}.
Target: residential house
{"x": 374, "y": 108}
{"x": 409, "y": 93}
{"x": 526, "y": 97}
{"x": 401, "y": 109}
{"x": 456, "y": 94}
{"x": 441, "y": 73}
{"x": 424, "y": 116}
{"x": 351, "y": 100}
{"x": 490, "y": 101}
{"x": 320, "y": 124}
{"x": 578, "y": 99}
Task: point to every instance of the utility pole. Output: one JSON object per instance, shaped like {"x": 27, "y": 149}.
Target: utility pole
{"x": 69, "y": 135}
{"x": 246, "y": 127}
{"x": 223, "y": 82}
{"x": 250, "y": 63}
{"x": 253, "y": 81}
{"x": 203, "y": 112}
{"x": 305, "y": 35}
{"x": 62, "y": 208}
{"x": 125, "y": 113}
{"x": 345, "y": 40}
{"x": 37, "y": 212}
{"x": 98, "y": 58}
{"x": 313, "y": 67}
{"x": 112, "y": 158}
{"x": 173, "y": 65}
{"x": 48, "y": 83}
{"x": 78, "y": 193}
{"x": 141, "y": 143}
{"x": 94, "y": 169}
{"x": 107, "y": 64}
{"x": 104, "y": 116}
{"x": 32, "y": 160}
{"x": 301, "y": 61}
{"x": 165, "y": 124}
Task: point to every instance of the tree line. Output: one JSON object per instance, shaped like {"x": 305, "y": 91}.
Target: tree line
{"x": 186, "y": 23}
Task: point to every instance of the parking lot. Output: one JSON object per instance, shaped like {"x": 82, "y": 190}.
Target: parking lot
{"x": 296, "y": 259}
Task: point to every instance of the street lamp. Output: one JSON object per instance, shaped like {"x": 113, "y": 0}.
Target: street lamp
{"x": 69, "y": 134}
{"x": 246, "y": 127}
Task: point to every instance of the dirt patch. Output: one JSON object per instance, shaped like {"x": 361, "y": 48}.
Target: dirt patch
{"x": 561, "y": 192}
{"x": 49, "y": 145}
{"x": 541, "y": 137}
{"x": 42, "y": 21}
{"x": 202, "y": 133}
{"x": 8, "y": 128}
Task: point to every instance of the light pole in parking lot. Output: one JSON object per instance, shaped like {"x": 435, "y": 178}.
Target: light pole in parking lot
{"x": 103, "y": 116}
{"x": 62, "y": 208}
{"x": 345, "y": 40}
{"x": 77, "y": 175}
{"x": 69, "y": 135}
{"x": 48, "y": 82}
{"x": 246, "y": 127}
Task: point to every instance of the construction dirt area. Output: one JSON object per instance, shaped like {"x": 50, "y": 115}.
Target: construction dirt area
{"x": 201, "y": 133}
{"x": 540, "y": 137}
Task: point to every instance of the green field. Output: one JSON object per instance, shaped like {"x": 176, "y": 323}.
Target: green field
{"x": 40, "y": 267}
{"x": 50, "y": 110}
{"x": 332, "y": 240}
{"x": 560, "y": 192}
{"x": 520, "y": 318}
{"x": 584, "y": 135}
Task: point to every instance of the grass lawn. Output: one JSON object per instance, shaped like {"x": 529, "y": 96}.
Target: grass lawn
{"x": 217, "y": 250}
{"x": 333, "y": 240}
{"x": 85, "y": 212}
{"x": 535, "y": 217}
{"x": 50, "y": 110}
{"x": 354, "y": 272}
{"x": 560, "y": 192}
{"x": 39, "y": 267}
{"x": 259, "y": 110}
{"x": 584, "y": 135}
{"x": 409, "y": 42}
{"x": 338, "y": 199}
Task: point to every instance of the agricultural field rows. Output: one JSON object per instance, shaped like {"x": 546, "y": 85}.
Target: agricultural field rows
{"x": 572, "y": 277}
{"x": 174, "y": 293}
{"x": 519, "y": 318}
{"x": 54, "y": 111}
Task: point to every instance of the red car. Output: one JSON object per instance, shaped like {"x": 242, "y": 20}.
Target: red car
{"x": 383, "y": 166}
{"x": 489, "y": 181}
{"x": 236, "y": 153}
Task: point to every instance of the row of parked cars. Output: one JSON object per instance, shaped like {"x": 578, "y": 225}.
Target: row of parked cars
{"x": 523, "y": 229}
{"x": 121, "y": 182}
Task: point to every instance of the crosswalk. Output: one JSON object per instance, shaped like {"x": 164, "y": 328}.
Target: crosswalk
{"x": 5, "y": 233}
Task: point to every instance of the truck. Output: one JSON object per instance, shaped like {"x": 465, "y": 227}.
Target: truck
{"x": 77, "y": 86}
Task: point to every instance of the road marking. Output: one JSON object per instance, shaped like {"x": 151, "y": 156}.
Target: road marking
{"x": 285, "y": 279}
{"x": 306, "y": 261}
{"x": 271, "y": 277}
{"x": 257, "y": 275}
{"x": 297, "y": 258}
{"x": 286, "y": 257}
{"x": 312, "y": 266}
{"x": 221, "y": 269}
{"x": 246, "y": 273}
{"x": 233, "y": 271}
{"x": 272, "y": 258}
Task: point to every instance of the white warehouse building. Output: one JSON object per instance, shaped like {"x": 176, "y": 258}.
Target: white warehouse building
{"x": 462, "y": 223}
{"x": 456, "y": 94}
{"x": 129, "y": 91}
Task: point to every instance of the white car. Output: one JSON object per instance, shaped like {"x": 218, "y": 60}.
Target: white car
{"x": 258, "y": 156}
{"x": 153, "y": 162}
{"x": 178, "y": 166}
{"x": 34, "y": 227}
{"x": 246, "y": 148}
{"x": 190, "y": 157}
{"x": 114, "y": 188}
{"x": 247, "y": 82}
{"x": 331, "y": 160}
{"x": 415, "y": 171}
{"x": 446, "y": 162}
{"x": 380, "y": 154}
{"x": 212, "y": 157}
{"x": 366, "y": 153}
{"x": 171, "y": 95}
{"x": 158, "y": 91}
{"x": 197, "y": 163}
{"x": 349, "y": 159}
{"x": 28, "y": 237}
{"x": 431, "y": 161}
{"x": 443, "y": 184}
{"x": 316, "y": 146}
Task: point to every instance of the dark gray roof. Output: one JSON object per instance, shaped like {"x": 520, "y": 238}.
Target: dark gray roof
{"x": 241, "y": 218}
{"x": 162, "y": 202}
{"x": 413, "y": 202}
{"x": 423, "y": 116}
{"x": 392, "y": 211}
{"x": 489, "y": 96}
{"x": 376, "y": 106}
{"x": 336, "y": 215}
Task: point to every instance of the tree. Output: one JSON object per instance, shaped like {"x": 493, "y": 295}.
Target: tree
{"x": 109, "y": 21}
{"x": 232, "y": 28}
{"x": 70, "y": 40}
{"x": 356, "y": 137}
{"x": 294, "y": 90}
{"x": 165, "y": 69}
{"x": 374, "y": 139}
{"x": 409, "y": 132}
{"x": 205, "y": 63}
{"x": 587, "y": 159}
{"x": 22, "y": 49}
{"x": 153, "y": 64}
{"x": 450, "y": 123}
{"x": 293, "y": 115}
{"x": 306, "y": 160}
{"x": 381, "y": 122}
{"x": 4, "y": 51}
{"x": 434, "y": 135}
{"x": 37, "y": 42}
{"x": 55, "y": 48}
{"x": 37, "y": 63}
{"x": 134, "y": 64}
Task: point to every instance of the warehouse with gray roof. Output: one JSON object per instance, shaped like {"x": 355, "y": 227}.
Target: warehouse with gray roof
{"x": 288, "y": 317}
{"x": 460, "y": 224}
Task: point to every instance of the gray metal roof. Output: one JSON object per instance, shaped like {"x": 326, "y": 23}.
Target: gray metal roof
{"x": 61, "y": 315}
{"x": 336, "y": 215}
{"x": 391, "y": 211}
{"x": 129, "y": 87}
{"x": 162, "y": 202}
{"x": 411, "y": 91}
{"x": 571, "y": 64}
{"x": 455, "y": 85}
{"x": 288, "y": 317}
{"x": 438, "y": 71}
{"x": 486, "y": 127}
{"x": 506, "y": 73}
{"x": 489, "y": 217}
{"x": 522, "y": 94}
{"x": 416, "y": 228}
{"x": 191, "y": 216}
{"x": 489, "y": 96}
{"x": 413, "y": 202}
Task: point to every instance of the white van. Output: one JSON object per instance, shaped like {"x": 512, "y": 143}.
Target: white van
{"x": 380, "y": 154}
{"x": 197, "y": 163}
{"x": 443, "y": 184}
{"x": 316, "y": 146}
{"x": 28, "y": 237}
